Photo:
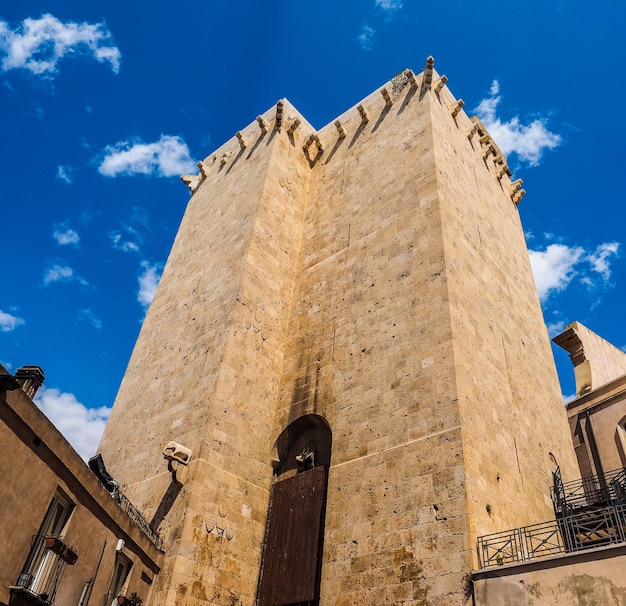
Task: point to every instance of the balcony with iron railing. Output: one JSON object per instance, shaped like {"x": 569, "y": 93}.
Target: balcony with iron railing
{"x": 44, "y": 567}
{"x": 590, "y": 513}
{"x": 591, "y": 491}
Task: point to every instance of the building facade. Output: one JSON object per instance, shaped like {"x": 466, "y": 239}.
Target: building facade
{"x": 348, "y": 349}
{"x": 66, "y": 541}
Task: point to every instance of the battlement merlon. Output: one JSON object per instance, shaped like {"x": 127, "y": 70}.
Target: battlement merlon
{"x": 283, "y": 119}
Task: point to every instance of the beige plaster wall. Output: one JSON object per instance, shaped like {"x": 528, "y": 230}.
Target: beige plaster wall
{"x": 600, "y": 413}
{"x": 596, "y": 361}
{"x": 571, "y": 580}
{"x": 40, "y": 463}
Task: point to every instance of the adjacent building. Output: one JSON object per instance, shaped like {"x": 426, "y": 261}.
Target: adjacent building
{"x": 65, "y": 540}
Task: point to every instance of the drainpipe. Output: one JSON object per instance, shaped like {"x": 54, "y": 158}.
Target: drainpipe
{"x": 84, "y": 599}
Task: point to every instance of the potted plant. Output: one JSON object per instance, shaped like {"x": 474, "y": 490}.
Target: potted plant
{"x": 132, "y": 600}
{"x": 54, "y": 544}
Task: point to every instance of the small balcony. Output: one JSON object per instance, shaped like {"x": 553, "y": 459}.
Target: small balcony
{"x": 45, "y": 565}
{"x": 590, "y": 513}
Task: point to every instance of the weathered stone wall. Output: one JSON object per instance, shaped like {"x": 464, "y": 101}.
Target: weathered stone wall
{"x": 511, "y": 409}
{"x": 383, "y": 285}
{"x": 205, "y": 368}
{"x": 595, "y": 577}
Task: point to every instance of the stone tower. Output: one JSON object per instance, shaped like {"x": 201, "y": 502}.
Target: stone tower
{"x": 348, "y": 338}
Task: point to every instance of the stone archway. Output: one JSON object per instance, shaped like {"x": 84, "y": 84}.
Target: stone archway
{"x": 294, "y": 537}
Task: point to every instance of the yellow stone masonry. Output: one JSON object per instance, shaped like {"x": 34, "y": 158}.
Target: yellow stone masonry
{"x": 372, "y": 274}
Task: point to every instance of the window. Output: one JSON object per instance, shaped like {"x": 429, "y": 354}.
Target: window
{"x": 49, "y": 555}
{"x": 120, "y": 574}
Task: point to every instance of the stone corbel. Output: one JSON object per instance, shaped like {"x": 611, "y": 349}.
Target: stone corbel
{"x": 489, "y": 150}
{"x": 262, "y": 124}
{"x": 242, "y": 142}
{"x": 387, "y": 97}
{"x": 204, "y": 171}
{"x": 410, "y": 76}
{"x": 439, "y": 86}
{"x": 340, "y": 129}
{"x": 278, "y": 122}
{"x": 191, "y": 181}
{"x": 364, "y": 117}
{"x": 473, "y": 131}
{"x": 457, "y": 107}
{"x": 293, "y": 126}
{"x": 428, "y": 73}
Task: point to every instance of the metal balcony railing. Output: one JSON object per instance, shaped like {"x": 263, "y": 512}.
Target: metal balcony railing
{"x": 595, "y": 528}
{"x": 591, "y": 491}
{"x": 135, "y": 515}
{"x": 44, "y": 567}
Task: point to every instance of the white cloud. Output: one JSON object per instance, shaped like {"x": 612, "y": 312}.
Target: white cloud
{"x": 37, "y": 45}
{"x": 87, "y": 315}
{"x": 81, "y": 426}
{"x": 65, "y": 236}
{"x": 366, "y": 37}
{"x": 555, "y": 267}
{"x": 148, "y": 282}
{"x": 120, "y": 243}
{"x": 168, "y": 157}
{"x": 64, "y": 174}
{"x": 555, "y": 328}
{"x": 9, "y": 322}
{"x": 62, "y": 273}
{"x": 528, "y": 141}
{"x": 389, "y": 5}
{"x": 58, "y": 273}
{"x": 599, "y": 259}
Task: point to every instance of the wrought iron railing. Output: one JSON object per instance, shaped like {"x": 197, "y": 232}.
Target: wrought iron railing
{"x": 601, "y": 526}
{"x": 135, "y": 515}
{"x": 569, "y": 497}
{"x": 44, "y": 567}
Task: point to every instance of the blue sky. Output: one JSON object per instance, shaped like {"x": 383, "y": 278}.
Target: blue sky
{"x": 103, "y": 107}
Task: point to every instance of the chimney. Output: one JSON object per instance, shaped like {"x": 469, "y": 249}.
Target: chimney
{"x": 30, "y": 378}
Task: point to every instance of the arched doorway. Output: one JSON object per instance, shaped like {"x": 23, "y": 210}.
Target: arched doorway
{"x": 294, "y": 535}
